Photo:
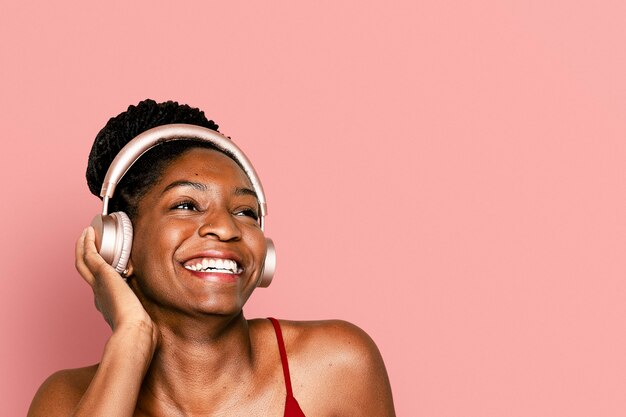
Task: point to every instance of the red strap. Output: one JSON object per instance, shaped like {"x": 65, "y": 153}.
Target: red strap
{"x": 283, "y": 355}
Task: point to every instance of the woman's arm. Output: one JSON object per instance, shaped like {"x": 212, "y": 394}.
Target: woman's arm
{"x": 114, "y": 388}
{"x": 112, "y": 391}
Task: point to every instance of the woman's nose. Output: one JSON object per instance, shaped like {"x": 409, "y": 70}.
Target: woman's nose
{"x": 221, "y": 226}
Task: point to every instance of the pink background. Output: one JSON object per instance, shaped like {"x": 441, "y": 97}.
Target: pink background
{"x": 449, "y": 175}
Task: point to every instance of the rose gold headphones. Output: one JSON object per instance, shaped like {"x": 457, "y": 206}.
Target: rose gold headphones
{"x": 114, "y": 232}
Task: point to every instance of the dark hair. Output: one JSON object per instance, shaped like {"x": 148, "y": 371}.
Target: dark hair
{"x": 120, "y": 129}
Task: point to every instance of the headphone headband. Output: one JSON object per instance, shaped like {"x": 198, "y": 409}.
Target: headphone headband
{"x": 147, "y": 140}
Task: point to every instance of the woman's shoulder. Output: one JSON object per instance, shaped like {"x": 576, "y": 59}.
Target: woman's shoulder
{"x": 335, "y": 359}
{"x": 323, "y": 338}
{"x": 62, "y": 391}
{"x": 338, "y": 337}
{"x": 334, "y": 344}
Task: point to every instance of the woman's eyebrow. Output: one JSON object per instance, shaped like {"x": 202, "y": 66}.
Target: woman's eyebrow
{"x": 245, "y": 191}
{"x": 239, "y": 191}
{"x": 182, "y": 183}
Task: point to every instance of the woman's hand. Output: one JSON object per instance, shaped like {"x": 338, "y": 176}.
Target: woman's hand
{"x": 113, "y": 297}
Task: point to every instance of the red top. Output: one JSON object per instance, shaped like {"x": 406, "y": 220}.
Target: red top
{"x": 292, "y": 408}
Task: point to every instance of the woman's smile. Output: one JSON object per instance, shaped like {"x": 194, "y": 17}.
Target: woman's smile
{"x": 215, "y": 266}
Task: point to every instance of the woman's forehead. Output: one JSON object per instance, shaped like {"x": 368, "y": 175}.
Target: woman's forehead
{"x": 210, "y": 163}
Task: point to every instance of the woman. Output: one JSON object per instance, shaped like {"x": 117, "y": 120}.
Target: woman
{"x": 180, "y": 343}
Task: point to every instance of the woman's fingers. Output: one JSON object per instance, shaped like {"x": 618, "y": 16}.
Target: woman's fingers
{"x": 81, "y": 267}
{"x": 89, "y": 263}
{"x": 96, "y": 264}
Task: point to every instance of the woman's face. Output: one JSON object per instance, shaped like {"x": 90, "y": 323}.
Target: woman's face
{"x": 197, "y": 245}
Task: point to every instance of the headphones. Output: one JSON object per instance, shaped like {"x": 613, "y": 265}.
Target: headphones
{"x": 114, "y": 232}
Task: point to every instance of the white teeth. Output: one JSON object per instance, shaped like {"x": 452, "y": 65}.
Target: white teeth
{"x": 218, "y": 264}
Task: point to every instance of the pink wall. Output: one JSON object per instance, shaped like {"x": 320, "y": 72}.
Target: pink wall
{"x": 449, "y": 176}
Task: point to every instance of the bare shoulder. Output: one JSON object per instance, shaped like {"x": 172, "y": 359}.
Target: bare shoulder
{"x": 343, "y": 341}
{"x": 336, "y": 368}
{"x": 61, "y": 392}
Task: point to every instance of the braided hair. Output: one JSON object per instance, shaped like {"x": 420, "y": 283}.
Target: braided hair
{"x": 120, "y": 129}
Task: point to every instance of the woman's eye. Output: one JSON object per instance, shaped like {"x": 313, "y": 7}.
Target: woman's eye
{"x": 185, "y": 205}
{"x": 248, "y": 213}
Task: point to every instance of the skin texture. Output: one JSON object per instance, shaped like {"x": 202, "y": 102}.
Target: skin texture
{"x": 180, "y": 344}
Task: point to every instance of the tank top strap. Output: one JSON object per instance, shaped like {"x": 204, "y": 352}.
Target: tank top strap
{"x": 283, "y": 355}
{"x": 292, "y": 408}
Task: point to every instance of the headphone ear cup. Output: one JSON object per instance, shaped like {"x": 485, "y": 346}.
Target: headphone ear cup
{"x": 269, "y": 268}
{"x": 124, "y": 227}
{"x": 114, "y": 238}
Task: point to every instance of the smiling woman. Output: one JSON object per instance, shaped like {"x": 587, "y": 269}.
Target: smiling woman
{"x": 195, "y": 253}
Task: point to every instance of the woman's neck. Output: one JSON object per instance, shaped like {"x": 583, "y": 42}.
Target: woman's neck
{"x": 199, "y": 365}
